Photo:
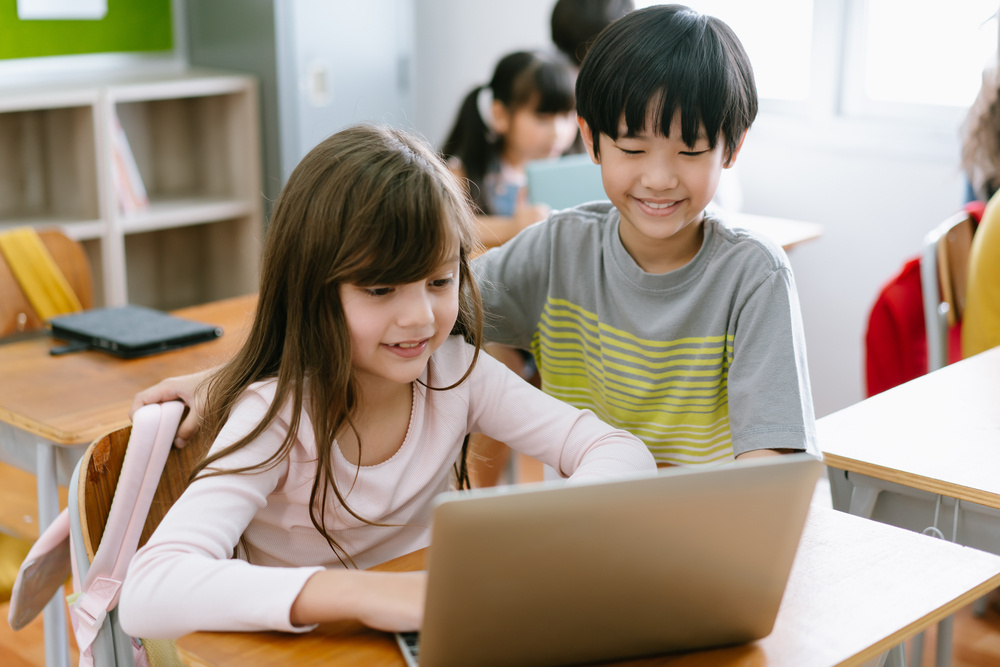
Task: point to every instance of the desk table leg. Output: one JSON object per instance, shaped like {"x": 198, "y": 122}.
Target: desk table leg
{"x": 943, "y": 653}
{"x": 862, "y": 504}
{"x": 896, "y": 657}
{"x": 54, "y": 616}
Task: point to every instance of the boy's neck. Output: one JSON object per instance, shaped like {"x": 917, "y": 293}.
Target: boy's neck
{"x": 666, "y": 255}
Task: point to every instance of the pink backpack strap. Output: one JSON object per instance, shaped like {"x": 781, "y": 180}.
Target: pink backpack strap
{"x": 42, "y": 573}
{"x": 153, "y": 430}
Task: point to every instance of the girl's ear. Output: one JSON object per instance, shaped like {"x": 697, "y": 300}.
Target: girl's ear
{"x": 501, "y": 118}
{"x": 588, "y": 139}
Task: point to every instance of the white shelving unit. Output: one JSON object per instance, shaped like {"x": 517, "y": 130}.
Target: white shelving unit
{"x": 195, "y": 138}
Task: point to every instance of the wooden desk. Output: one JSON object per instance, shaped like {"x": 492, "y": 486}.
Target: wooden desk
{"x": 71, "y": 399}
{"x": 938, "y": 433}
{"x": 786, "y": 233}
{"x": 857, "y": 589}
{"x": 55, "y": 403}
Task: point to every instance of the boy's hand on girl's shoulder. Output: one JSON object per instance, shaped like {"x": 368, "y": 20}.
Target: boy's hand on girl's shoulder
{"x": 188, "y": 389}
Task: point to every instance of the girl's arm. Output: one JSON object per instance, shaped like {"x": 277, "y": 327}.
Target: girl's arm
{"x": 387, "y": 601}
{"x": 574, "y": 442}
{"x": 186, "y": 388}
{"x": 185, "y": 578}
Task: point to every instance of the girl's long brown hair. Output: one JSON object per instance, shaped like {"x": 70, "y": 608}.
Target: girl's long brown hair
{"x": 370, "y": 205}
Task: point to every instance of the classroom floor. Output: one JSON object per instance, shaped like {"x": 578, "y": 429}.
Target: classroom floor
{"x": 976, "y": 639}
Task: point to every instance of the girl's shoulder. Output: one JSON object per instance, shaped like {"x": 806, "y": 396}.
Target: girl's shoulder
{"x": 450, "y": 361}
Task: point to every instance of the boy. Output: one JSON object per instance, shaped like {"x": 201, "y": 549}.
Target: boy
{"x": 654, "y": 315}
{"x": 644, "y": 309}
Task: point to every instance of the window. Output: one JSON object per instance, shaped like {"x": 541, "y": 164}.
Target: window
{"x": 903, "y": 54}
{"x": 909, "y": 59}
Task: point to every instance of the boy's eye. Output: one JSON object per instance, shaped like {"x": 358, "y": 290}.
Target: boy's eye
{"x": 626, "y": 151}
{"x": 693, "y": 153}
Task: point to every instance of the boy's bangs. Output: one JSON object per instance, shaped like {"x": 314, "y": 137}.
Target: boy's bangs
{"x": 682, "y": 89}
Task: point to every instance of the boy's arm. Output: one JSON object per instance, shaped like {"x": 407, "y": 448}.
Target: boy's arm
{"x": 514, "y": 280}
{"x": 770, "y": 399}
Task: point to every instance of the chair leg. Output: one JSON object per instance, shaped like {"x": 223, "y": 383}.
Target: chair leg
{"x": 54, "y": 616}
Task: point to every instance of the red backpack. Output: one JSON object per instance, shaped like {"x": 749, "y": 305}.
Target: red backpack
{"x": 896, "y": 340}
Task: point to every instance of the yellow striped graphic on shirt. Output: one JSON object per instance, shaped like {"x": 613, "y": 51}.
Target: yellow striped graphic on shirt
{"x": 671, "y": 394}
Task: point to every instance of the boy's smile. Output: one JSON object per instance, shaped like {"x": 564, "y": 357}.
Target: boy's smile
{"x": 661, "y": 187}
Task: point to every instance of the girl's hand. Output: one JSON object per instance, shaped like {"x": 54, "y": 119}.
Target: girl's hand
{"x": 387, "y": 601}
{"x": 187, "y": 388}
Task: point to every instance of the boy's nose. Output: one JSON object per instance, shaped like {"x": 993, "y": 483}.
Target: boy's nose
{"x": 660, "y": 175}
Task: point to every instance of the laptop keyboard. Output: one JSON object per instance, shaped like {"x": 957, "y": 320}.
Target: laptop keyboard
{"x": 409, "y": 644}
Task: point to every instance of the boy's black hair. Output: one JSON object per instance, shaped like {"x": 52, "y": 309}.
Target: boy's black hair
{"x": 576, "y": 23}
{"x": 677, "y": 59}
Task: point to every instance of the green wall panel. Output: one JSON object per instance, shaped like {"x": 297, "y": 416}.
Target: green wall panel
{"x": 130, "y": 25}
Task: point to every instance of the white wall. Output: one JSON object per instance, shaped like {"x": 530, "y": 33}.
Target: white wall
{"x": 877, "y": 187}
{"x": 876, "y": 202}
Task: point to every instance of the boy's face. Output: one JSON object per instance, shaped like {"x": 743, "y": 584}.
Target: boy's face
{"x": 661, "y": 187}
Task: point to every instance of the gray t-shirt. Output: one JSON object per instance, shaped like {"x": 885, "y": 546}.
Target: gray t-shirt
{"x": 701, "y": 363}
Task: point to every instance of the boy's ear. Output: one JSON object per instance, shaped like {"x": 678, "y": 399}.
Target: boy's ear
{"x": 588, "y": 139}
{"x": 736, "y": 151}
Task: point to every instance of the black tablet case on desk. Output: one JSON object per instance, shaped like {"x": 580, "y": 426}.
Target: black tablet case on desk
{"x": 129, "y": 331}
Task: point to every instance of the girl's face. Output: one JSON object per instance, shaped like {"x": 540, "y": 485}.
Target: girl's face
{"x": 530, "y": 135}
{"x": 394, "y": 329}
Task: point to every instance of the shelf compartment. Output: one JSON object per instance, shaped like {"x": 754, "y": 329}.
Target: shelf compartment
{"x": 190, "y": 147}
{"x": 48, "y": 166}
{"x": 180, "y": 266}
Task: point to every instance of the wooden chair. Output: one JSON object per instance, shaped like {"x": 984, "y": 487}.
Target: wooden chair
{"x": 16, "y": 313}
{"x": 100, "y": 468}
{"x": 18, "y": 499}
{"x": 95, "y": 485}
{"x": 944, "y": 266}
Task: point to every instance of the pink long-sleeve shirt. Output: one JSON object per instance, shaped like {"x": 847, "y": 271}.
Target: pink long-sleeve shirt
{"x": 185, "y": 579}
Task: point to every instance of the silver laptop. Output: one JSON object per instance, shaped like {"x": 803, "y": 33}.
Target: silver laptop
{"x": 557, "y": 574}
{"x": 564, "y": 181}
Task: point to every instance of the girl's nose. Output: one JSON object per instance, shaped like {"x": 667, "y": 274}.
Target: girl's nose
{"x": 417, "y": 310}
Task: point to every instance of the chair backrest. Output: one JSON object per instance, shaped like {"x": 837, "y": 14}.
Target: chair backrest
{"x": 100, "y": 469}
{"x": 122, "y": 488}
{"x": 944, "y": 266}
{"x": 16, "y": 313}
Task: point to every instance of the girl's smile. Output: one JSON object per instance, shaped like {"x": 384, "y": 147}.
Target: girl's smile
{"x": 408, "y": 350}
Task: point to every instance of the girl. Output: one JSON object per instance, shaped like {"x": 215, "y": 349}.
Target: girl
{"x": 525, "y": 113}
{"x": 346, "y": 410}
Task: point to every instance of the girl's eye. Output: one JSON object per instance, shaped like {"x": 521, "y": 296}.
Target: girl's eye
{"x": 442, "y": 282}
{"x": 377, "y": 291}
